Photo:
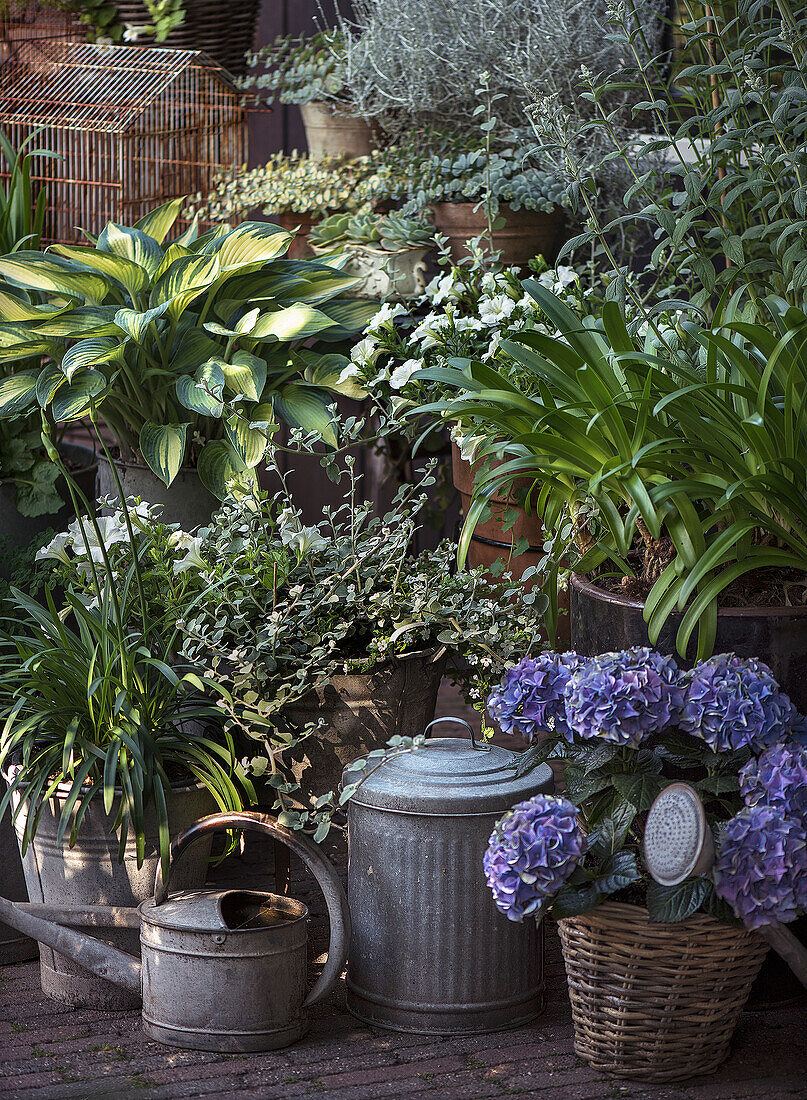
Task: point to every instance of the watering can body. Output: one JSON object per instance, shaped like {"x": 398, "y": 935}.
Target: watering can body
{"x": 222, "y": 970}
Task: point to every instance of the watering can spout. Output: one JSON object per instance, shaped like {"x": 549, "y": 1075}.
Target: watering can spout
{"x": 105, "y": 961}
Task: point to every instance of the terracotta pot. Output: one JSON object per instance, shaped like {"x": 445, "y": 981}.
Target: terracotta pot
{"x": 362, "y": 710}
{"x": 330, "y": 134}
{"x": 527, "y": 234}
{"x": 290, "y": 220}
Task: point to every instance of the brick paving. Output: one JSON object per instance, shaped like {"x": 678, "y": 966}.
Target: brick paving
{"x": 51, "y": 1052}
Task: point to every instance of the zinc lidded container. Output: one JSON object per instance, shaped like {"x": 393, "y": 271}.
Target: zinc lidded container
{"x": 429, "y": 951}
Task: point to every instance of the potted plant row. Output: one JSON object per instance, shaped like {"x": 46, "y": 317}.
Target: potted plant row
{"x": 650, "y": 960}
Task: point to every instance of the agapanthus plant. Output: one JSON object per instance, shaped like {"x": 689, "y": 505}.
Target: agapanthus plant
{"x": 618, "y": 722}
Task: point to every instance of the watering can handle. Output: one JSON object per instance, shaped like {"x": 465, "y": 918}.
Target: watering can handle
{"x": 312, "y": 856}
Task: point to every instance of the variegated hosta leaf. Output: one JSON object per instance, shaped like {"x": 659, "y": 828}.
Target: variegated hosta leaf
{"x": 75, "y": 399}
{"x": 16, "y": 310}
{"x": 131, "y": 244}
{"x": 159, "y": 223}
{"x": 246, "y": 374}
{"x": 53, "y": 274}
{"x": 136, "y": 325}
{"x": 350, "y": 316}
{"x": 326, "y": 370}
{"x": 174, "y": 251}
{"x": 85, "y": 321}
{"x": 17, "y": 393}
{"x": 248, "y": 442}
{"x": 88, "y": 353}
{"x": 163, "y": 448}
{"x": 201, "y": 392}
{"x": 185, "y": 280}
{"x": 250, "y": 243}
{"x": 190, "y": 235}
{"x": 304, "y": 408}
{"x": 130, "y": 275}
{"x": 322, "y": 287}
{"x": 218, "y": 466}
{"x": 191, "y": 347}
{"x": 51, "y": 377}
{"x": 292, "y": 323}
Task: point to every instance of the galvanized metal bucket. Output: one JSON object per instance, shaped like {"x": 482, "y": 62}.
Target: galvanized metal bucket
{"x": 430, "y": 952}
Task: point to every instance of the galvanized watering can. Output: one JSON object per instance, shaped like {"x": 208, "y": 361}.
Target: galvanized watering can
{"x": 221, "y": 969}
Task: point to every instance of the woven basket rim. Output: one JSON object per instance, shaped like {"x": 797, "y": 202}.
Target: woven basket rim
{"x": 619, "y": 913}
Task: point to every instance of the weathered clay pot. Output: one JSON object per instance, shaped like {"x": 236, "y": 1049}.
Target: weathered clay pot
{"x": 18, "y": 530}
{"x": 362, "y": 710}
{"x": 603, "y": 621}
{"x": 89, "y": 874}
{"x": 186, "y": 501}
{"x": 526, "y": 234}
{"x": 329, "y": 134}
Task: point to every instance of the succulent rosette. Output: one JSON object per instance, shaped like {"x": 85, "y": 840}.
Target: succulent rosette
{"x": 624, "y": 697}
{"x": 778, "y": 778}
{"x": 530, "y": 697}
{"x": 532, "y": 852}
{"x": 733, "y": 703}
{"x": 761, "y": 866}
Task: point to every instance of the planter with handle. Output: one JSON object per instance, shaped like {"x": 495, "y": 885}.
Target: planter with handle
{"x": 653, "y": 1001}
{"x": 89, "y": 874}
{"x": 14, "y": 946}
{"x": 186, "y": 501}
{"x": 329, "y": 133}
{"x": 525, "y": 235}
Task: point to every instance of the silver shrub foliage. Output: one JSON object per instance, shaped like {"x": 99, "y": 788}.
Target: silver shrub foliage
{"x": 408, "y": 59}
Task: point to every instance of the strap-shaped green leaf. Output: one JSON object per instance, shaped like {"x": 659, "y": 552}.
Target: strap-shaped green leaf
{"x": 163, "y": 448}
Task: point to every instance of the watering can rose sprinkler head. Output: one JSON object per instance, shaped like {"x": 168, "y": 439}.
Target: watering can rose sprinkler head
{"x": 678, "y": 845}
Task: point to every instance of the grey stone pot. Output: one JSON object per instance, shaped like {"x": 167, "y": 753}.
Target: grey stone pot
{"x": 362, "y": 710}
{"x": 89, "y": 874}
{"x": 14, "y": 947}
{"x": 186, "y": 501}
{"x": 18, "y": 530}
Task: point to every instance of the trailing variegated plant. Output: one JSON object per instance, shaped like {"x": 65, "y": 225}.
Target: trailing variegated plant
{"x": 189, "y": 349}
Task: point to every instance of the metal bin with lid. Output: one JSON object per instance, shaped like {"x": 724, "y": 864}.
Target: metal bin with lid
{"x": 430, "y": 952}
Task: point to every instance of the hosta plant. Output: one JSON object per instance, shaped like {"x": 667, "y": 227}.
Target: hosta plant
{"x": 627, "y": 725}
{"x": 191, "y": 349}
{"x": 687, "y": 447}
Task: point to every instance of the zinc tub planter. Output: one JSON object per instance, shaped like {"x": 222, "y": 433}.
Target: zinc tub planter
{"x": 89, "y": 874}
{"x": 656, "y": 1002}
{"x": 185, "y": 501}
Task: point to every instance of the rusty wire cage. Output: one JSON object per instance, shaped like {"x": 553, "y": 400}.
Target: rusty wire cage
{"x": 133, "y": 127}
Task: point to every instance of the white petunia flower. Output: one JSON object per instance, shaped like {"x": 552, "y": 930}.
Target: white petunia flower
{"x": 83, "y": 534}
{"x": 56, "y": 548}
{"x": 193, "y": 557}
{"x": 365, "y": 352}
{"x": 385, "y": 316}
{"x": 402, "y": 374}
{"x": 497, "y": 309}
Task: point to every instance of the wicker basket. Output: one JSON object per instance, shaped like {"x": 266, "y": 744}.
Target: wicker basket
{"x": 658, "y": 1002}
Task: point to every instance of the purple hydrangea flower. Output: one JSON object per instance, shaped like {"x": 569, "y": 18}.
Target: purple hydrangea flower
{"x": 530, "y": 696}
{"x": 761, "y": 866}
{"x": 778, "y": 778}
{"x": 798, "y": 730}
{"x": 624, "y": 697}
{"x": 732, "y": 703}
{"x": 532, "y": 852}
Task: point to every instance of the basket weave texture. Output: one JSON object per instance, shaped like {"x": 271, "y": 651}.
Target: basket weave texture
{"x": 657, "y": 1002}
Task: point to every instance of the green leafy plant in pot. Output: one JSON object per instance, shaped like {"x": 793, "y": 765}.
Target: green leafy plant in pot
{"x": 629, "y": 725}
{"x": 106, "y": 743}
{"x": 676, "y": 458}
{"x": 191, "y": 349}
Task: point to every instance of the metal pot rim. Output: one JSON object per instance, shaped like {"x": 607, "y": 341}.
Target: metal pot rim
{"x": 589, "y": 588}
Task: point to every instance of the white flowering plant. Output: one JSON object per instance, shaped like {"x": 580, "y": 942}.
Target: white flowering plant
{"x": 466, "y": 312}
